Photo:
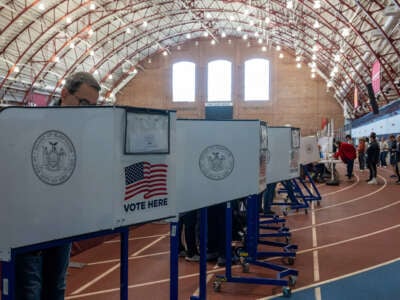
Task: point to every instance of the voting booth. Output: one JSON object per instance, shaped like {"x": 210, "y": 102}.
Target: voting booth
{"x": 283, "y": 154}
{"x": 68, "y": 171}
{"x": 326, "y": 143}
{"x": 309, "y": 151}
{"x": 218, "y": 161}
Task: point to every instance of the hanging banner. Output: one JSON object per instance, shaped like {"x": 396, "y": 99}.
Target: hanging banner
{"x": 376, "y": 76}
{"x": 355, "y": 99}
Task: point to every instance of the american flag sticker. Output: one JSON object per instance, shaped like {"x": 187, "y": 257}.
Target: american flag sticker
{"x": 147, "y": 179}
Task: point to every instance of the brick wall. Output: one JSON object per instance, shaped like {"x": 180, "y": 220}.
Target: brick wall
{"x": 295, "y": 98}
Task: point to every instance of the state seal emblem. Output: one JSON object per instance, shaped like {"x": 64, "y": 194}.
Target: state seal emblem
{"x": 216, "y": 162}
{"x": 53, "y": 157}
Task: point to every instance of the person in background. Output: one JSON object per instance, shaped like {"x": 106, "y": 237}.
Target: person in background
{"x": 361, "y": 154}
{"x": 41, "y": 275}
{"x": 392, "y": 154}
{"x": 268, "y": 196}
{"x": 383, "y": 145}
{"x": 349, "y": 139}
{"x": 189, "y": 221}
{"x": 397, "y": 169}
{"x": 347, "y": 152}
{"x": 372, "y": 158}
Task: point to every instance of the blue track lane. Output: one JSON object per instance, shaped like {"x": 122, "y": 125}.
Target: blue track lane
{"x": 381, "y": 283}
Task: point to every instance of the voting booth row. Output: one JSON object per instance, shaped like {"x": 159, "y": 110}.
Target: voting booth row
{"x": 70, "y": 173}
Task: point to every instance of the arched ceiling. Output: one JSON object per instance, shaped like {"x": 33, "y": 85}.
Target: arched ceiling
{"x": 41, "y": 42}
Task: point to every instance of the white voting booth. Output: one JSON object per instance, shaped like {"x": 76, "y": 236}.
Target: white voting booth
{"x": 283, "y": 154}
{"x": 69, "y": 171}
{"x": 309, "y": 151}
{"x": 326, "y": 143}
{"x": 218, "y": 161}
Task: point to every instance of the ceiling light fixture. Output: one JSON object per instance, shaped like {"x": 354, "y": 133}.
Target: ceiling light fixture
{"x": 317, "y": 4}
{"x": 281, "y": 55}
{"x": 345, "y": 32}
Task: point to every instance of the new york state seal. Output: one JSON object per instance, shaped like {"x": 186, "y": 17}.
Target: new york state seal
{"x": 216, "y": 162}
{"x": 53, "y": 157}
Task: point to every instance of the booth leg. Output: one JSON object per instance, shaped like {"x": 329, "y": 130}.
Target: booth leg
{"x": 174, "y": 269}
{"x": 252, "y": 219}
{"x": 124, "y": 234}
{"x": 203, "y": 256}
{"x": 228, "y": 241}
{"x": 8, "y": 279}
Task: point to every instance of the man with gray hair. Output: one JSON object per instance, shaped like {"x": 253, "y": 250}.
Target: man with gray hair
{"x": 41, "y": 275}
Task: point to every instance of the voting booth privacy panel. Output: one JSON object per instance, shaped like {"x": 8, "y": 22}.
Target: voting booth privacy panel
{"x": 68, "y": 171}
{"x": 283, "y": 154}
{"x": 309, "y": 151}
{"x": 326, "y": 144}
{"x": 218, "y": 161}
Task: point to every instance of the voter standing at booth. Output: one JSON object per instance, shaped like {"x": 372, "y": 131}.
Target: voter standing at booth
{"x": 347, "y": 152}
{"x": 42, "y": 274}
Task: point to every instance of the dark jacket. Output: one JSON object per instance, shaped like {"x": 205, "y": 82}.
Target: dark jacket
{"x": 373, "y": 152}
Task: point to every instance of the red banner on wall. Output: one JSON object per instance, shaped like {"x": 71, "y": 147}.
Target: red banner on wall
{"x": 376, "y": 76}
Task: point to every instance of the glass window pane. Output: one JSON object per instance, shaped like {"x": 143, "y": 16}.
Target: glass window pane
{"x": 256, "y": 85}
{"x": 183, "y": 82}
{"x": 219, "y": 80}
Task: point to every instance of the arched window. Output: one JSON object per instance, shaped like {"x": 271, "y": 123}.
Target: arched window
{"x": 219, "y": 80}
{"x": 256, "y": 80}
{"x": 183, "y": 81}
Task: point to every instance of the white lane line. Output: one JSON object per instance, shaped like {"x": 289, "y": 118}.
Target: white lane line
{"x": 317, "y": 292}
{"x": 357, "y": 198}
{"x": 314, "y": 244}
{"x": 101, "y": 292}
{"x": 130, "y": 258}
{"x": 337, "y": 278}
{"x": 348, "y": 201}
{"x": 73, "y": 296}
{"x": 351, "y": 239}
{"x": 113, "y": 268}
{"x": 349, "y": 217}
{"x": 135, "y": 238}
{"x": 197, "y": 291}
